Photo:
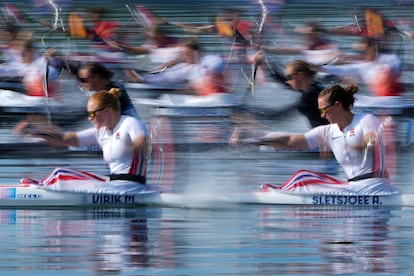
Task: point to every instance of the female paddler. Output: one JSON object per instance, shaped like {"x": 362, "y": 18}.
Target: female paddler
{"x": 123, "y": 140}
{"x": 356, "y": 141}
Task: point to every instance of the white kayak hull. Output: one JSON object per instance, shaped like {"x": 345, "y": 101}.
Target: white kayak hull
{"x": 35, "y": 196}
{"x": 389, "y": 105}
{"x": 221, "y": 100}
{"x": 275, "y": 197}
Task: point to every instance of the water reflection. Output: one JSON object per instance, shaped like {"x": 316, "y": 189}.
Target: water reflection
{"x": 250, "y": 240}
{"x": 333, "y": 240}
{"x": 245, "y": 240}
{"x": 121, "y": 247}
{"x": 97, "y": 240}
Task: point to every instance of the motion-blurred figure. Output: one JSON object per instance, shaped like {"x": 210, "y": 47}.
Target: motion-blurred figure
{"x": 380, "y": 71}
{"x": 95, "y": 77}
{"x": 196, "y": 73}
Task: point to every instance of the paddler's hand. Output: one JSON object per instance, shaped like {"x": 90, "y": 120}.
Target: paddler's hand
{"x": 257, "y": 58}
{"x": 26, "y": 127}
{"x": 35, "y": 125}
{"x": 22, "y": 127}
{"x": 50, "y": 52}
{"x": 235, "y": 137}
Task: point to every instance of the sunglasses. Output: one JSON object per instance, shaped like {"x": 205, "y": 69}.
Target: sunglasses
{"x": 92, "y": 114}
{"x": 324, "y": 109}
{"x": 83, "y": 80}
{"x": 290, "y": 76}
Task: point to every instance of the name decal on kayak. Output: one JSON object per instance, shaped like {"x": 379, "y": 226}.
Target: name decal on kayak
{"x": 112, "y": 199}
{"x": 346, "y": 200}
{"x": 29, "y": 196}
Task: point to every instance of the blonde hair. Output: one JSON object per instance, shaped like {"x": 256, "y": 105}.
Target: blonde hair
{"x": 108, "y": 98}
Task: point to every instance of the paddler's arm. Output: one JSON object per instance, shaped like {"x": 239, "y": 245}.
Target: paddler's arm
{"x": 137, "y": 50}
{"x": 165, "y": 66}
{"x": 140, "y": 142}
{"x": 50, "y": 135}
{"x": 351, "y": 30}
{"x": 297, "y": 141}
{"x": 59, "y": 139}
{"x": 283, "y": 51}
{"x": 370, "y": 139}
{"x": 195, "y": 29}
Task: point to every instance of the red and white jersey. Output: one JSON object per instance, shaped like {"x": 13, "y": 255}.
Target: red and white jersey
{"x": 117, "y": 145}
{"x": 346, "y": 145}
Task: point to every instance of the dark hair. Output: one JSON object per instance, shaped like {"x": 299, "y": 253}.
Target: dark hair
{"x": 12, "y": 28}
{"x": 192, "y": 44}
{"x": 108, "y": 98}
{"x": 96, "y": 68}
{"x": 337, "y": 93}
{"x": 315, "y": 27}
{"x": 98, "y": 10}
{"x": 303, "y": 66}
{"x": 370, "y": 41}
{"x": 28, "y": 44}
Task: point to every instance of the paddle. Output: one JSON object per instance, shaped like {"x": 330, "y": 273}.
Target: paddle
{"x": 306, "y": 104}
{"x": 247, "y": 119}
{"x": 277, "y": 74}
{"x": 45, "y": 84}
{"x": 134, "y": 16}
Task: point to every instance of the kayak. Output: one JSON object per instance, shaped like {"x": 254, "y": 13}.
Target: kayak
{"x": 65, "y": 110}
{"x": 69, "y": 187}
{"x": 278, "y": 197}
{"x": 30, "y": 195}
{"x": 389, "y": 105}
{"x": 286, "y": 198}
{"x": 180, "y": 101}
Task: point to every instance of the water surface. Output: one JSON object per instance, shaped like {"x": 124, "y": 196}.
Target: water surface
{"x": 224, "y": 239}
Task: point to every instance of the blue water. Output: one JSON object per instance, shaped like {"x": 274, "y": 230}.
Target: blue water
{"x": 238, "y": 240}
{"x": 219, "y": 239}
{"x": 205, "y": 239}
